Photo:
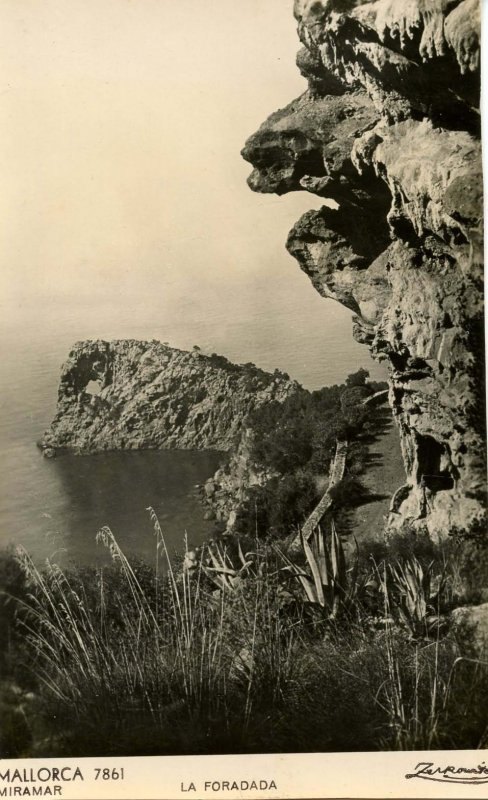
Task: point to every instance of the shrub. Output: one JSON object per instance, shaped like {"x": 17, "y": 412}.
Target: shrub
{"x": 13, "y": 591}
{"x": 348, "y": 492}
{"x": 280, "y": 506}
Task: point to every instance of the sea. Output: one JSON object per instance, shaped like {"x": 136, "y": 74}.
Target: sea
{"x": 55, "y": 507}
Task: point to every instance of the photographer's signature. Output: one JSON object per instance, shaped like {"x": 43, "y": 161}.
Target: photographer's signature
{"x": 429, "y": 771}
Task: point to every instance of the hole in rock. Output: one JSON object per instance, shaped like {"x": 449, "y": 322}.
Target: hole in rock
{"x": 93, "y": 388}
{"x": 434, "y": 464}
{"x": 311, "y": 163}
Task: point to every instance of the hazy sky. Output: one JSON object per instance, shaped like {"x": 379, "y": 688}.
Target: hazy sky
{"x": 121, "y": 126}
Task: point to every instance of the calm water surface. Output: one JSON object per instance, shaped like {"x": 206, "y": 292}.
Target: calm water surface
{"x": 55, "y": 507}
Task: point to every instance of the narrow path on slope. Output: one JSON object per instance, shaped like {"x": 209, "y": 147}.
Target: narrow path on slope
{"x": 336, "y": 474}
{"x": 383, "y": 475}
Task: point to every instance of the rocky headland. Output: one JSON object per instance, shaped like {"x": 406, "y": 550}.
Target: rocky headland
{"x": 129, "y": 394}
{"x": 135, "y": 395}
{"x": 388, "y": 134}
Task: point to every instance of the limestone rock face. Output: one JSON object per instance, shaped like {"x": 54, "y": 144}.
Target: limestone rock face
{"x": 133, "y": 394}
{"x": 388, "y": 135}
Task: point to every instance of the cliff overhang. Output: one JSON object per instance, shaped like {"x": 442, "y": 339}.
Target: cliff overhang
{"x": 388, "y": 135}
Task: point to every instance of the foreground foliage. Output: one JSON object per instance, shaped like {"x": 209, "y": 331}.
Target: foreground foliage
{"x": 241, "y": 649}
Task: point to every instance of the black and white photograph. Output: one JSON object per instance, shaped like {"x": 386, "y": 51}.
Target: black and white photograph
{"x": 243, "y": 437}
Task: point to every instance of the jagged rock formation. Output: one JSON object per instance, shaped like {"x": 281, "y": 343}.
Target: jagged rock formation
{"x": 133, "y": 394}
{"x": 388, "y": 135}
{"x": 226, "y": 492}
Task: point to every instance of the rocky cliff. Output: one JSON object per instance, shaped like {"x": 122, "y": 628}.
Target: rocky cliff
{"x": 133, "y": 394}
{"x": 388, "y": 135}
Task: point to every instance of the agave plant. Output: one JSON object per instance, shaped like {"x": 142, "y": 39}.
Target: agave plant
{"x": 216, "y": 563}
{"x": 413, "y": 593}
{"x": 328, "y": 583}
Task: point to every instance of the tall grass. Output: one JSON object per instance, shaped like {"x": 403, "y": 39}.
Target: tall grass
{"x": 223, "y": 655}
{"x": 167, "y": 662}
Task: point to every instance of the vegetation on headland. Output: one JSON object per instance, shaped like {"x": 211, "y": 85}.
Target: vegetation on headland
{"x": 237, "y": 651}
{"x": 293, "y": 443}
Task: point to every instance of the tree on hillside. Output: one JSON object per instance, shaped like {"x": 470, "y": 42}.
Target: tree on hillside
{"x": 358, "y": 378}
